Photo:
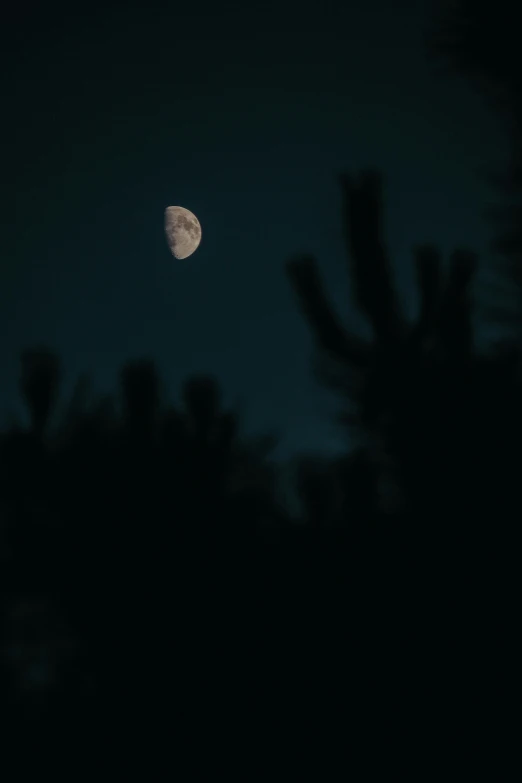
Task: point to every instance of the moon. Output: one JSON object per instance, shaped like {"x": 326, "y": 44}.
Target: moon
{"x": 183, "y": 231}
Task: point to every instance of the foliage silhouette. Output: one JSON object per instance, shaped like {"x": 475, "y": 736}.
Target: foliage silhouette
{"x": 481, "y": 45}
{"x": 39, "y": 385}
{"x": 486, "y": 48}
{"x": 152, "y": 560}
{"x": 444, "y": 318}
{"x": 428, "y": 406}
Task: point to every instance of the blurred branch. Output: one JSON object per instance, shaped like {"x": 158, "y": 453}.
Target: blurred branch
{"x": 374, "y": 291}
{"x": 330, "y": 335}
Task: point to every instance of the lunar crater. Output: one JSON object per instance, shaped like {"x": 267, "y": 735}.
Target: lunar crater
{"x": 183, "y": 231}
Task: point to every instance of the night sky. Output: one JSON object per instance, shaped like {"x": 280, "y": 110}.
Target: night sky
{"x": 244, "y": 113}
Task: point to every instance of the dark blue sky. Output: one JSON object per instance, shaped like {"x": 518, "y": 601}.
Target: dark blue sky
{"x": 244, "y": 113}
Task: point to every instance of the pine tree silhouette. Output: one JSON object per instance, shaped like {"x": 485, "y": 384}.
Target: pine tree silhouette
{"x": 418, "y": 392}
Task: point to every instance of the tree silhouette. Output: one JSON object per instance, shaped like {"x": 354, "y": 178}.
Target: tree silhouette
{"x": 132, "y": 515}
{"x": 39, "y": 385}
{"x": 485, "y": 47}
{"x": 140, "y": 392}
{"x": 154, "y": 568}
{"x": 443, "y": 324}
{"x": 418, "y": 392}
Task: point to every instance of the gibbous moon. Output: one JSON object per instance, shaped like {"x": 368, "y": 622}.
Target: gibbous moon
{"x": 183, "y": 231}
